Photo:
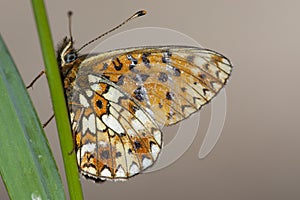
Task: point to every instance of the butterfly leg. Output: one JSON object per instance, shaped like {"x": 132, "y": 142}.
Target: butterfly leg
{"x": 74, "y": 142}
{"x": 74, "y": 145}
{"x": 73, "y": 133}
{"x": 34, "y": 80}
{"x": 48, "y": 121}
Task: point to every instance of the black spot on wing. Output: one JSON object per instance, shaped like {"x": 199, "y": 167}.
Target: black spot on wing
{"x": 133, "y": 108}
{"x": 133, "y": 63}
{"x": 118, "y": 154}
{"x": 205, "y": 90}
{"x": 203, "y": 76}
{"x": 145, "y": 59}
{"x": 166, "y": 57}
{"x": 140, "y": 93}
{"x": 206, "y": 65}
{"x": 176, "y": 71}
{"x": 123, "y": 134}
{"x": 165, "y": 60}
{"x": 99, "y": 104}
{"x": 117, "y": 64}
{"x": 163, "y": 77}
{"x": 105, "y": 65}
{"x": 129, "y": 151}
{"x": 218, "y": 74}
{"x": 170, "y": 95}
{"x": 104, "y": 155}
{"x": 137, "y": 145}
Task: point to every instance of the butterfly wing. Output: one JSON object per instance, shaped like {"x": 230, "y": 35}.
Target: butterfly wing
{"x": 115, "y": 138}
{"x": 119, "y": 101}
{"x": 170, "y": 82}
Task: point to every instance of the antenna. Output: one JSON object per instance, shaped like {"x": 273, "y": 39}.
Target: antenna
{"x": 137, "y": 14}
{"x": 70, "y": 13}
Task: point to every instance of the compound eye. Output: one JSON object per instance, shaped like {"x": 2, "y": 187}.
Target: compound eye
{"x": 70, "y": 57}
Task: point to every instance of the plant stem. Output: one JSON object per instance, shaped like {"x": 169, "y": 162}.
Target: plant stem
{"x": 58, "y": 100}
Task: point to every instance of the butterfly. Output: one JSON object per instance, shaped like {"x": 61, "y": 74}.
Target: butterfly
{"x": 118, "y": 101}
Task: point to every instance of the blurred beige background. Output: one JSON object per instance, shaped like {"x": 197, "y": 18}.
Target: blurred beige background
{"x": 257, "y": 156}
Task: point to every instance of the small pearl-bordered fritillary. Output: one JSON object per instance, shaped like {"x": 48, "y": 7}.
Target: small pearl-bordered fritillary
{"x": 118, "y": 101}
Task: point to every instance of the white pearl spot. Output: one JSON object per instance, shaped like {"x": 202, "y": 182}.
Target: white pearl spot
{"x": 157, "y": 136}
{"x": 113, "y": 95}
{"x": 146, "y": 162}
{"x": 89, "y": 123}
{"x": 83, "y": 101}
{"x": 89, "y": 147}
{"x": 105, "y": 172}
{"x": 89, "y": 93}
{"x": 100, "y": 124}
{"x": 120, "y": 173}
{"x": 91, "y": 170}
{"x": 155, "y": 151}
{"x": 94, "y": 79}
{"x": 112, "y": 123}
{"x": 133, "y": 169}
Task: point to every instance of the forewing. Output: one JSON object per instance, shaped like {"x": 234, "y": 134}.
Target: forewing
{"x": 170, "y": 83}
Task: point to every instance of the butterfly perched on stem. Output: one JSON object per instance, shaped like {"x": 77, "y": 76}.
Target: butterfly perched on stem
{"x": 119, "y": 101}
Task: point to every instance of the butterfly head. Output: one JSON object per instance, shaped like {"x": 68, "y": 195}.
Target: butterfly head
{"x": 66, "y": 54}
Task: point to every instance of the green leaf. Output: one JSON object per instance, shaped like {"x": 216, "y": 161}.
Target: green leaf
{"x": 58, "y": 100}
{"x": 26, "y": 164}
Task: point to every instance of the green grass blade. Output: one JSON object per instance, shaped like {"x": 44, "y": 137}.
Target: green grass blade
{"x": 26, "y": 164}
{"x": 58, "y": 100}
